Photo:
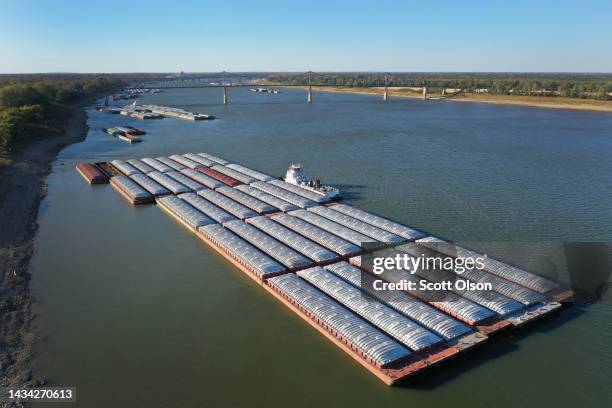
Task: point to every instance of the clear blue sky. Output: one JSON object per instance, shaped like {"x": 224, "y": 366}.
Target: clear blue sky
{"x": 170, "y": 36}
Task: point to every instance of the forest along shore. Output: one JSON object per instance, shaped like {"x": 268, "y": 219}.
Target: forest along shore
{"x": 22, "y": 187}
{"x": 553, "y": 102}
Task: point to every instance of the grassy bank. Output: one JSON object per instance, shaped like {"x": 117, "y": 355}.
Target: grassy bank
{"x": 34, "y": 107}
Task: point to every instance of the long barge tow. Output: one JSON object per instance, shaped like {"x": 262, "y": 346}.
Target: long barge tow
{"x": 307, "y": 251}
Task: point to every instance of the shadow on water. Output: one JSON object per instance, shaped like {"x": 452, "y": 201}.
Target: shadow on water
{"x": 350, "y": 191}
{"x": 495, "y": 347}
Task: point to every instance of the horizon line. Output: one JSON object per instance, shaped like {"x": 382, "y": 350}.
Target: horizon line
{"x": 304, "y": 72}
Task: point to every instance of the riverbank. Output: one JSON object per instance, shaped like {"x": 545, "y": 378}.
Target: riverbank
{"x": 22, "y": 187}
{"x": 530, "y": 101}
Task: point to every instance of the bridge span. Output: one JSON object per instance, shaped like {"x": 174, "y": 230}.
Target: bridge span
{"x": 227, "y": 80}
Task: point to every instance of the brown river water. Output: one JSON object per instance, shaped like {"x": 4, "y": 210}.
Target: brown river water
{"x": 134, "y": 311}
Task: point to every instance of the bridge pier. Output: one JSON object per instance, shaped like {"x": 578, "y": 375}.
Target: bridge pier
{"x": 225, "y": 95}
{"x": 309, "y": 94}
{"x": 424, "y": 93}
{"x": 386, "y": 93}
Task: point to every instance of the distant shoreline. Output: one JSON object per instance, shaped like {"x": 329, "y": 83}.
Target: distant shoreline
{"x": 552, "y": 102}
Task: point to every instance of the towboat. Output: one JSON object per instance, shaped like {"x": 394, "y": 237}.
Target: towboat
{"x": 296, "y": 176}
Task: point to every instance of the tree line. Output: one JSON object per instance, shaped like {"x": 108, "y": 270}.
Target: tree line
{"x": 590, "y": 86}
{"x": 29, "y": 102}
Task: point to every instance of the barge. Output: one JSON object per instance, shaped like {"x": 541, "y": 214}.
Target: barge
{"x": 153, "y": 187}
{"x": 285, "y": 255}
{"x": 186, "y": 162}
{"x": 209, "y": 209}
{"x": 141, "y": 166}
{"x": 168, "y": 182}
{"x": 182, "y": 211}
{"x": 156, "y": 164}
{"x": 250, "y": 172}
{"x": 92, "y": 173}
{"x": 236, "y": 209}
{"x": 248, "y": 201}
{"x": 171, "y": 163}
{"x": 274, "y": 201}
{"x": 283, "y": 194}
{"x": 131, "y": 191}
{"x": 308, "y": 254}
{"x": 202, "y": 178}
{"x": 294, "y": 240}
{"x": 419, "y": 311}
{"x": 223, "y": 178}
{"x": 236, "y": 175}
{"x": 327, "y": 239}
{"x": 339, "y": 230}
{"x": 157, "y": 112}
{"x": 214, "y": 158}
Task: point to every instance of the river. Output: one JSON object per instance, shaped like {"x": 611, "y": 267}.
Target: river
{"x": 134, "y": 311}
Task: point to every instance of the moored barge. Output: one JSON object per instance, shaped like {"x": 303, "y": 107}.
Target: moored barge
{"x": 298, "y": 251}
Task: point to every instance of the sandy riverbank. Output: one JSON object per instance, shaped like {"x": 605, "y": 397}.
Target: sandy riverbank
{"x": 531, "y": 101}
{"x": 22, "y": 187}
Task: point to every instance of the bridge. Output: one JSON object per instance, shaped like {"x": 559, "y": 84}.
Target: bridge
{"x": 227, "y": 80}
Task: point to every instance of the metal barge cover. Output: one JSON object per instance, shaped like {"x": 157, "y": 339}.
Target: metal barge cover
{"x": 168, "y": 182}
{"x": 130, "y": 190}
{"x": 358, "y": 225}
{"x": 186, "y": 162}
{"x": 250, "y": 257}
{"x": 140, "y": 165}
{"x": 318, "y": 235}
{"x": 250, "y": 172}
{"x": 184, "y": 212}
{"x": 415, "y": 309}
{"x": 318, "y": 198}
{"x": 343, "y": 323}
{"x": 380, "y": 222}
{"x": 202, "y": 178}
{"x": 171, "y": 163}
{"x": 227, "y": 204}
{"x": 267, "y": 198}
{"x": 125, "y": 168}
{"x": 234, "y": 174}
{"x": 501, "y": 269}
{"x": 224, "y": 178}
{"x": 393, "y": 323}
{"x": 150, "y": 185}
{"x": 216, "y": 159}
{"x": 312, "y": 250}
{"x": 247, "y": 200}
{"x": 286, "y": 195}
{"x": 219, "y": 215}
{"x": 343, "y": 232}
{"x": 156, "y": 164}
{"x": 271, "y": 247}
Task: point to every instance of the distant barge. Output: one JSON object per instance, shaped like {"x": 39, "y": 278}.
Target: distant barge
{"x": 265, "y": 90}
{"x": 126, "y": 133}
{"x": 158, "y": 112}
{"x": 306, "y": 250}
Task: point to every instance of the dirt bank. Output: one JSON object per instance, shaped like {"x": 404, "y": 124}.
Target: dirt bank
{"x": 22, "y": 187}
{"x": 531, "y": 101}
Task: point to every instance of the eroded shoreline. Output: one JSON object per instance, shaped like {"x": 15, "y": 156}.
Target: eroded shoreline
{"x": 22, "y": 188}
